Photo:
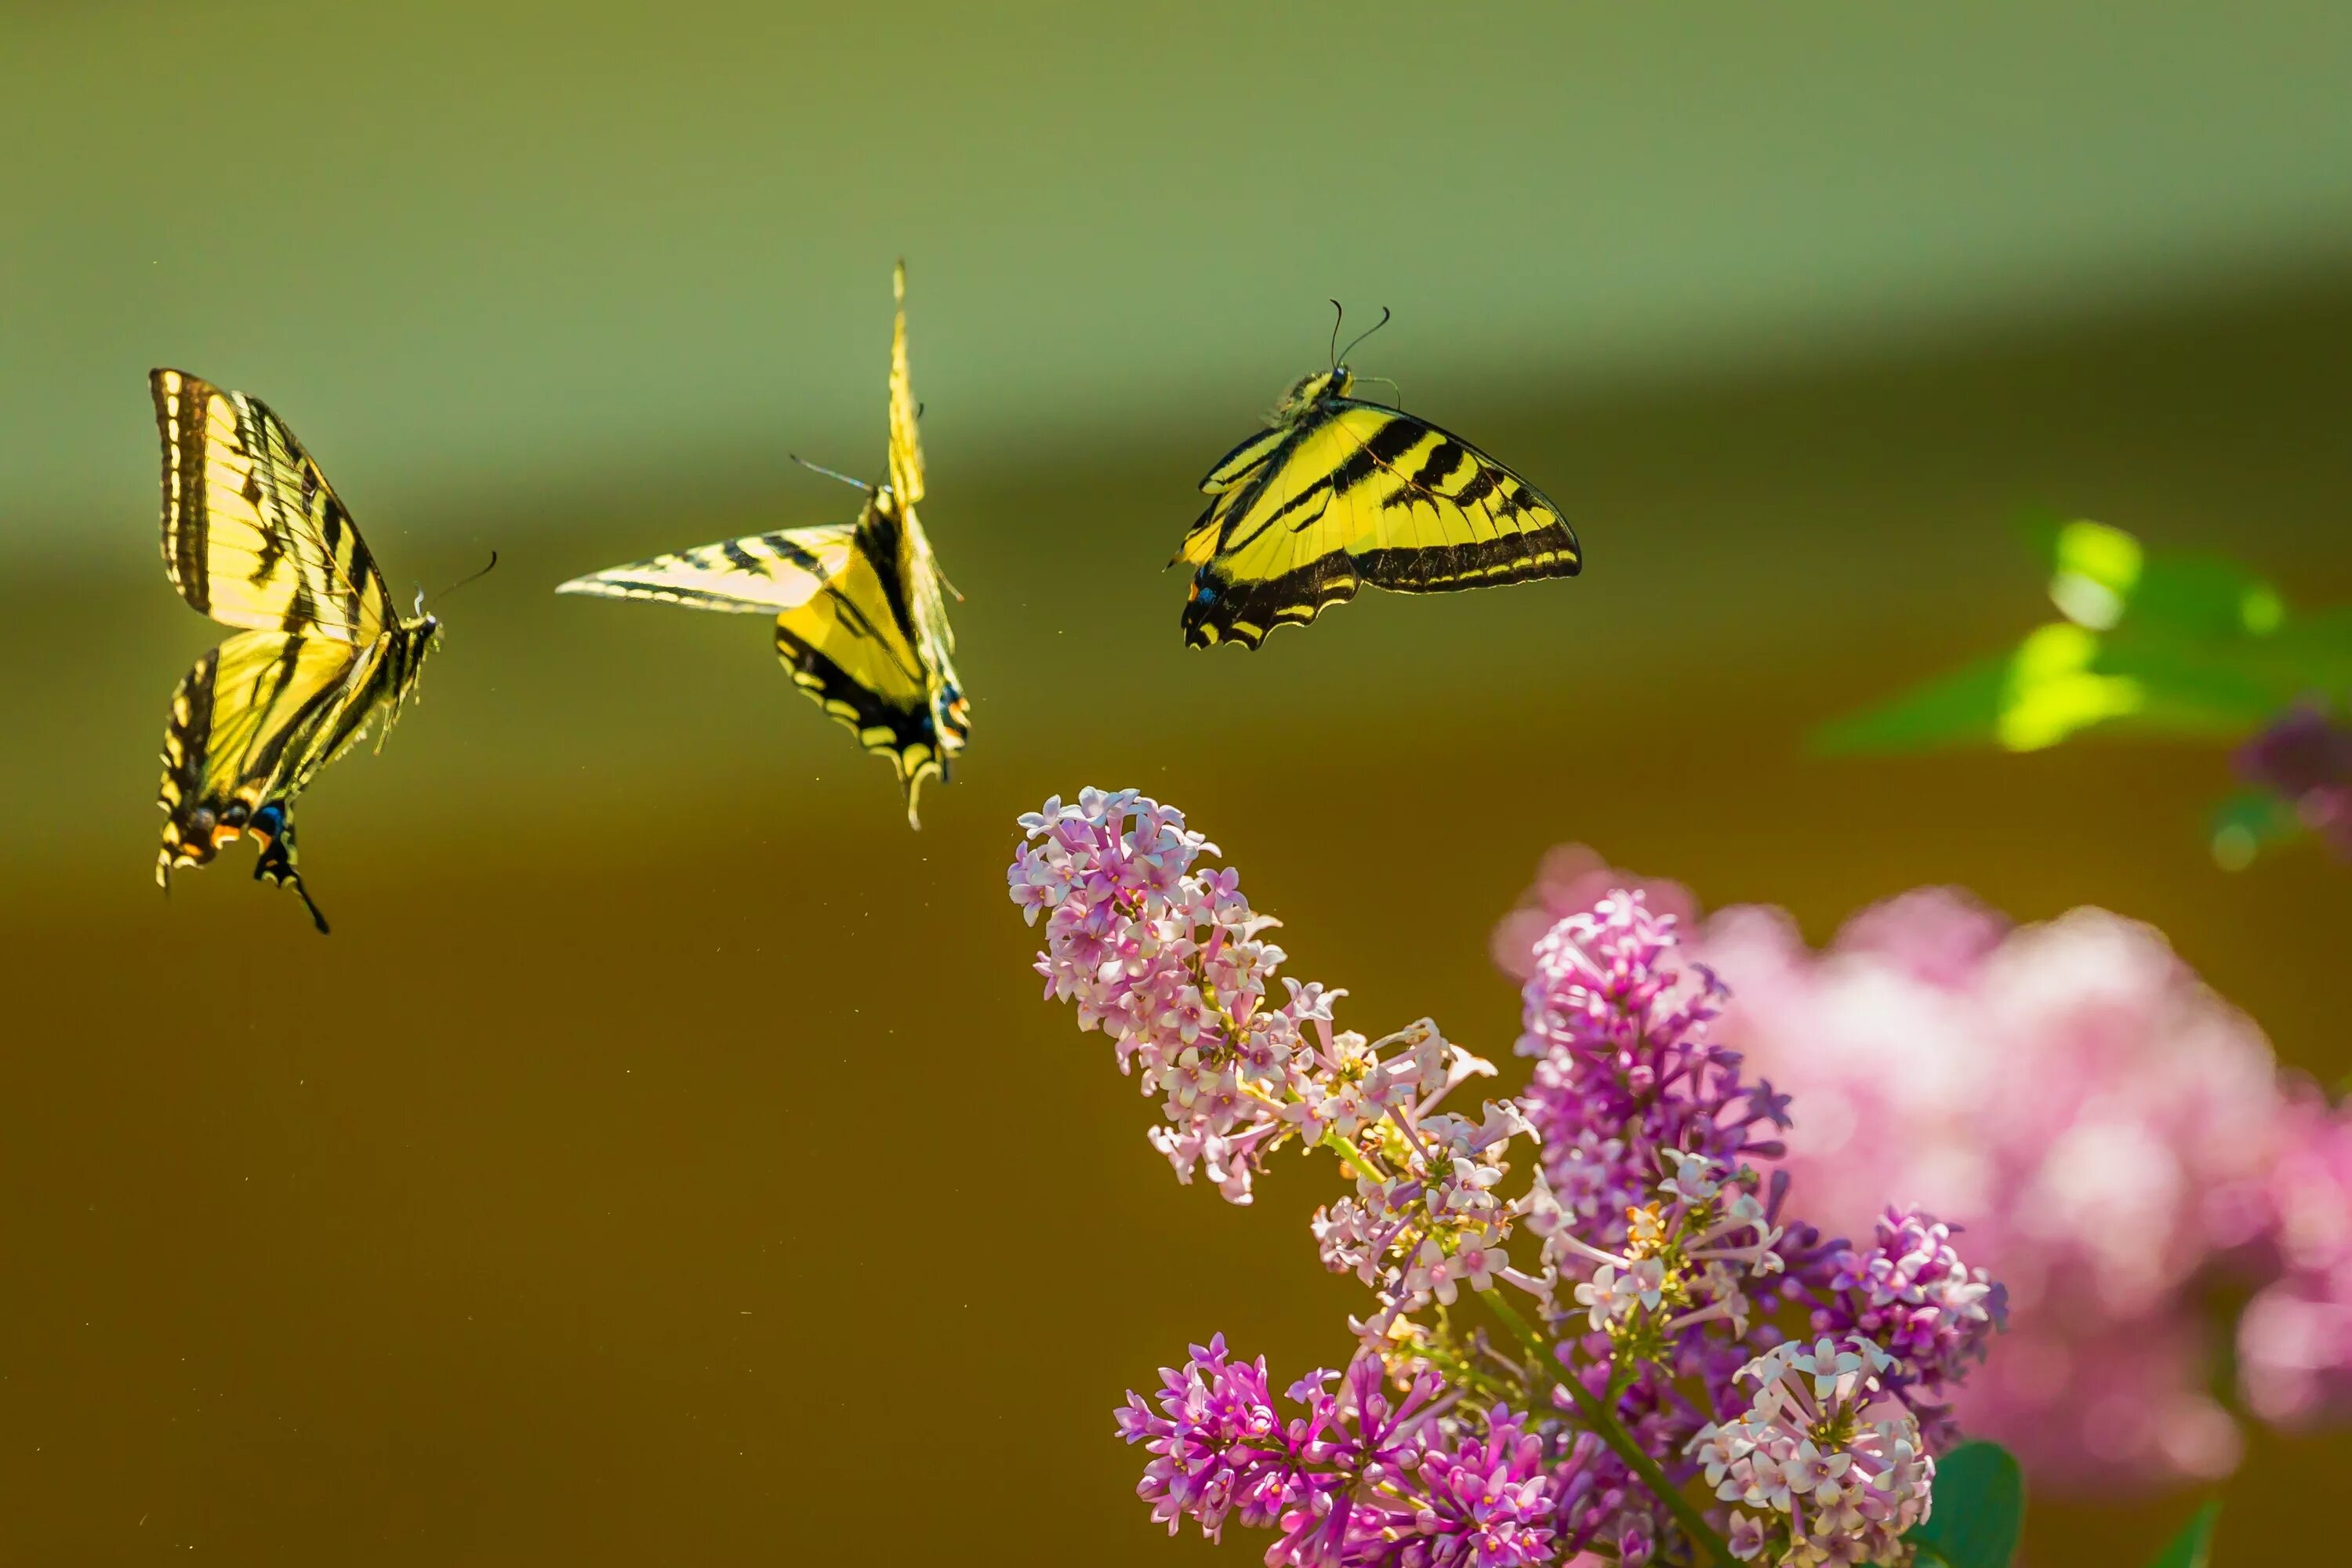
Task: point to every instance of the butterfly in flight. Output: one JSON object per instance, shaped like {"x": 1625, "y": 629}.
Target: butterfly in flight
{"x": 1337, "y": 493}
{"x": 254, "y": 537}
{"x": 861, "y": 619}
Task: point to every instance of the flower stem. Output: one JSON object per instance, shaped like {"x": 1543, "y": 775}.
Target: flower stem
{"x": 1349, "y": 1155}
{"x": 1609, "y": 1430}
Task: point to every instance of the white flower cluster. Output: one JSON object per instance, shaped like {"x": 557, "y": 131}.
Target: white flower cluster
{"x": 1833, "y": 1470}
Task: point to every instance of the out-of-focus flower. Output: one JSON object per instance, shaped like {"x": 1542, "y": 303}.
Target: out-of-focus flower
{"x": 2294, "y": 1339}
{"x": 1571, "y": 879}
{"x": 2107, "y": 1136}
{"x": 2306, "y": 759}
{"x": 2098, "y": 1120}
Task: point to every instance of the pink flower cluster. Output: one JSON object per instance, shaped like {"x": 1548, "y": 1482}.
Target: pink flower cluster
{"x": 1643, "y": 1340}
{"x": 2295, "y": 1338}
{"x": 1174, "y": 967}
{"x": 2117, "y": 1142}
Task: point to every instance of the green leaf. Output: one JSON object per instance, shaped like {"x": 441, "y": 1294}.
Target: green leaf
{"x": 2315, "y": 651}
{"x": 2166, "y": 644}
{"x": 2191, "y": 1547}
{"x": 2093, "y": 570}
{"x": 2101, "y": 577}
{"x": 1979, "y": 1509}
{"x": 1962, "y": 709}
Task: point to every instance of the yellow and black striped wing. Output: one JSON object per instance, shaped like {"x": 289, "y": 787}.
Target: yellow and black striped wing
{"x": 853, "y": 651}
{"x": 905, "y": 440}
{"x": 758, "y": 574}
{"x": 249, "y": 725}
{"x": 1356, "y": 493}
{"x": 253, "y": 535}
{"x": 843, "y": 628}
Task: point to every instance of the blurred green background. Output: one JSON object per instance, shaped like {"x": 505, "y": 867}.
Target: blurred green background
{"x": 668, "y": 1159}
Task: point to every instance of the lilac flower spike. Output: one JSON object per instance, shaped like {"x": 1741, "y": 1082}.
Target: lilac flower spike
{"x": 1545, "y": 1364}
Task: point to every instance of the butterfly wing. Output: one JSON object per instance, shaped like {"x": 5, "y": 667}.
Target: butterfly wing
{"x": 856, "y": 651}
{"x": 905, "y": 440}
{"x": 1356, "y": 493}
{"x": 253, "y": 534}
{"x": 249, "y": 726}
{"x": 762, "y": 573}
{"x": 843, "y": 627}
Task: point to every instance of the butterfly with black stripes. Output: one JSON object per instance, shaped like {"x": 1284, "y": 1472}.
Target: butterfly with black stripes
{"x": 860, "y": 607}
{"x": 254, "y": 537}
{"x": 1340, "y": 492}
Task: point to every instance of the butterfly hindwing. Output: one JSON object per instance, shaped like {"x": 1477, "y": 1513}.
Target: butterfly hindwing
{"x": 252, "y": 533}
{"x": 858, "y": 651}
{"x": 245, "y": 725}
{"x": 1354, "y": 493}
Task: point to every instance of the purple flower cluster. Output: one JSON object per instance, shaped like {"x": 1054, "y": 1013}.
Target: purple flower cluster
{"x": 1911, "y": 1293}
{"x": 1656, "y": 1283}
{"x": 1624, "y": 1070}
{"x": 1628, "y": 1083}
{"x": 2305, "y": 758}
{"x": 1356, "y": 1478}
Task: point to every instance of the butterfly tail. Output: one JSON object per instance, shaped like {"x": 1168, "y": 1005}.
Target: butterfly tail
{"x": 275, "y": 866}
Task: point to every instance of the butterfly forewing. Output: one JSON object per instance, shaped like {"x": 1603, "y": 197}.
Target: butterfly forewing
{"x": 759, "y": 573}
{"x": 905, "y": 438}
{"x": 252, "y": 533}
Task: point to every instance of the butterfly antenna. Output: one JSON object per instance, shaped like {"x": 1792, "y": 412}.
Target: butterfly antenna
{"x": 459, "y": 582}
{"x": 1338, "y": 314}
{"x": 830, "y": 473}
{"x": 1360, "y": 337}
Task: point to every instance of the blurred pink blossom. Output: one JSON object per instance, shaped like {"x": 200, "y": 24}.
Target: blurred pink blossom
{"x": 1571, "y": 879}
{"x": 2294, "y": 1339}
{"x": 2116, "y": 1139}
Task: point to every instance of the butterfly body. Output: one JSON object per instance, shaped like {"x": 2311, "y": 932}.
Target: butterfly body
{"x": 253, "y": 536}
{"x": 860, "y": 607}
{"x": 1338, "y": 493}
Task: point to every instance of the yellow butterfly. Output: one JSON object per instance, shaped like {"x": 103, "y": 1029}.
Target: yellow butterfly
{"x": 861, "y": 620}
{"x": 1337, "y": 493}
{"x": 254, "y": 537}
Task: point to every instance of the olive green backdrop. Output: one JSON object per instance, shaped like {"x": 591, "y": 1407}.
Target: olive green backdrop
{"x": 668, "y": 1159}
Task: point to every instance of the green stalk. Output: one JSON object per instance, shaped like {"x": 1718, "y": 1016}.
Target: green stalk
{"x": 1349, "y": 1155}
{"x": 1606, "y": 1427}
